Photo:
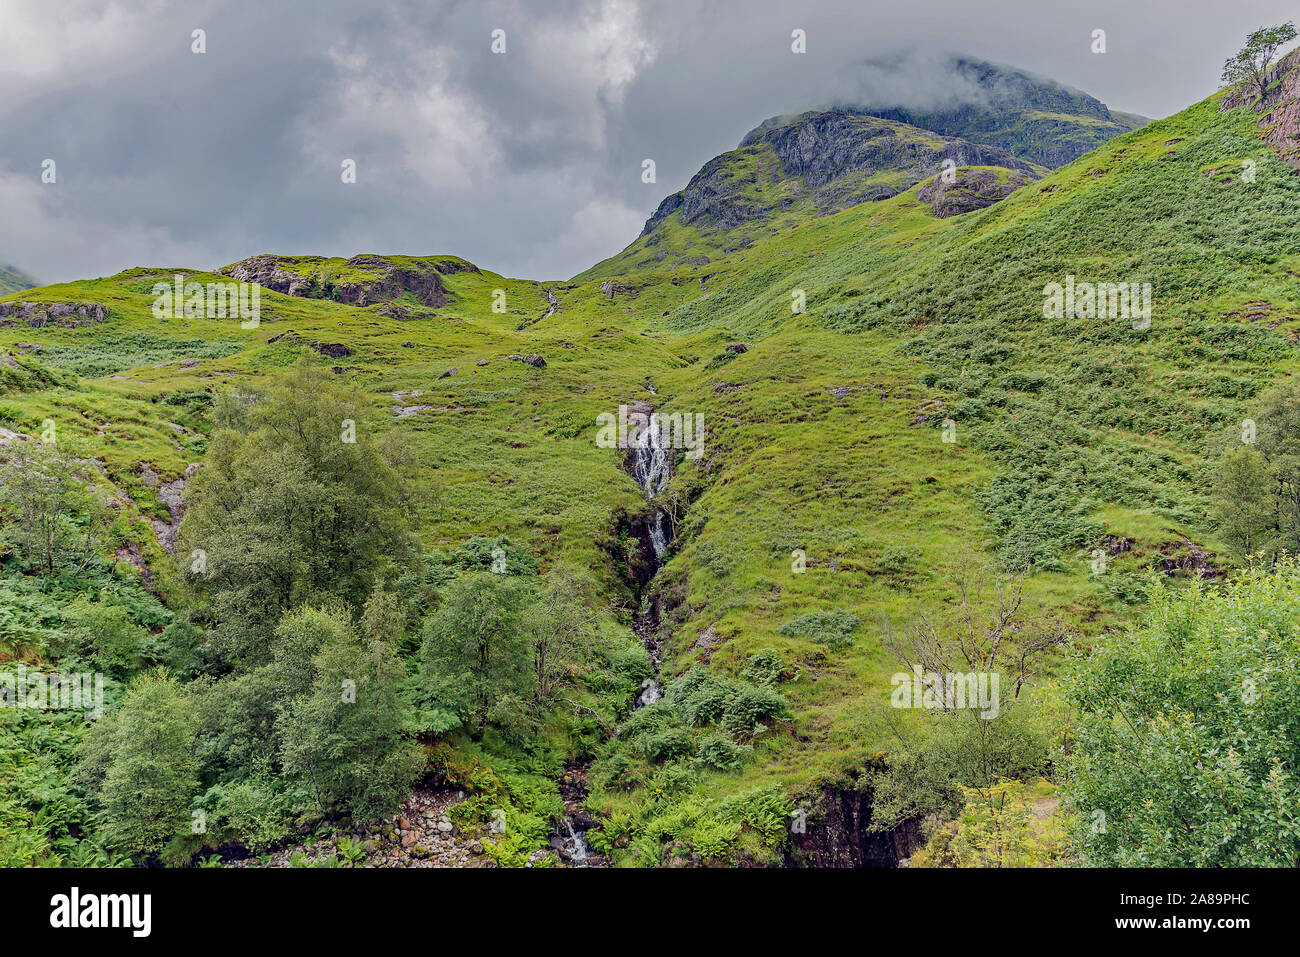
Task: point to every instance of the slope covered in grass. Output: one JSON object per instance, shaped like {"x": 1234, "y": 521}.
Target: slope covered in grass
{"x": 900, "y": 405}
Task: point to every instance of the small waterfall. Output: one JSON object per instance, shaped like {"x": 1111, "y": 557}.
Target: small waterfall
{"x": 651, "y": 468}
{"x": 576, "y": 845}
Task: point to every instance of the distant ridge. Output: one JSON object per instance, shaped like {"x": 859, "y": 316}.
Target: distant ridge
{"x": 14, "y": 280}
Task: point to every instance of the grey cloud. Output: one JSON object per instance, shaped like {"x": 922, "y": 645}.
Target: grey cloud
{"x": 528, "y": 163}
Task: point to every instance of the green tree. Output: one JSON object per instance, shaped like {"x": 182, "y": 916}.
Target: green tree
{"x": 1188, "y": 740}
{"x": 561, "y": 631}
{"x": 1257, "y": 483}
{"x": 1251, "y": 62}
{"x": 141, "y": 761}
{"x": 56, "y": 518}
{"x": 477, "y": 653}
{"x": 297, "y": 503}
{"x": 343, "y": 740}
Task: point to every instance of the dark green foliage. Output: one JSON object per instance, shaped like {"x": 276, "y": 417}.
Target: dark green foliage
{"x": 1257, "y": 484}
{"x": 476, "y": 655}
{"x": 140, "y": 760}
{"x": 297, "y": 502}
{"x": 342, "y": 740}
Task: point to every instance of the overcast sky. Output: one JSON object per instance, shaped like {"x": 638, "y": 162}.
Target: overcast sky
{"x": 528, "y": 162}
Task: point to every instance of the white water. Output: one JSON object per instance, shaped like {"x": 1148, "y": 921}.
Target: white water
{"x": 577, "y": 845}
{"x": 651, "y": 468}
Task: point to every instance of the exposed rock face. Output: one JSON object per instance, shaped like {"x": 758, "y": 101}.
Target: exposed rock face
{"x": 1035, "y": 118}
{"x": 836, "y": 833}
{"x": 421, "y": 278}
{"x": 173, "y": 496}
{"x": 971, "y": 189}
{"x": 1281, "y": 120}
{"x": 834, "y": 154}
{"x": 67, "y": 315}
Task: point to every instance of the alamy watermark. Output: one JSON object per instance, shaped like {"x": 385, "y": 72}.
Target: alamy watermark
{"x": 1101, "y": 300}
{"x": 947, "y": 692}
{"x": 80, "y": 691}
{"x": 215, "y": 300}
{"x": 629, "y": 429}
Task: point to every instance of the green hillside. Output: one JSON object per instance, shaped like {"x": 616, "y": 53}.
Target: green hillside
{"x": 14, "y": 280}
{"x": 887, "y": 413}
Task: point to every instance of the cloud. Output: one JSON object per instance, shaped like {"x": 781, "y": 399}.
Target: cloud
{"x": 412, "y": 107}
{"x": 54, "y": 231}
{"x": 527, "y": 163}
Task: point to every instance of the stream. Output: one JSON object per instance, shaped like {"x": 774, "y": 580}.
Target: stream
{"x": 651, "y": 467}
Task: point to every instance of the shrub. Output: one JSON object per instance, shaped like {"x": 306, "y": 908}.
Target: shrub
{"x": 834, "y": 628}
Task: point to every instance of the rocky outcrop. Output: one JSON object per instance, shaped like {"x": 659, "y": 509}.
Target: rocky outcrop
{"x": 392, "y": 280}
{"x": 971, "y": 189}
{"x": 1281, "y": 106}
{"x": 833, "y": 830}
{"x": 172, "y": 495}
{"x": 66, "y": 315}
{"x": 835, "y": 156}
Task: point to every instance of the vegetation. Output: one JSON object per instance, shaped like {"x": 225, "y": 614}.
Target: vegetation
{"x": 405, "y": 561}
{"x": 1251, "y": 63}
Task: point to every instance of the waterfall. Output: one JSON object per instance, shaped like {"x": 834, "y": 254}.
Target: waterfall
{"x": 651, "y": 468}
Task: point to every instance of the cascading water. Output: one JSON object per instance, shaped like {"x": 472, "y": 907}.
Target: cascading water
{"x": 651, "y": 468}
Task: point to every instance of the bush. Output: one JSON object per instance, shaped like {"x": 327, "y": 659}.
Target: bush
{"x": 834, "y": 628}
{"x": 1189, "y": 730}
{"x": 720, "y": 754}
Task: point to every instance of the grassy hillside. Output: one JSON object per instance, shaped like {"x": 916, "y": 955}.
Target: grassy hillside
{"x": 919, "y": 414}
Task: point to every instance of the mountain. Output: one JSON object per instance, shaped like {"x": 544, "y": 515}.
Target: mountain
{"x": 1033, "y": 117}
{"x": 790, "y": 169}
{"x": 887, "y": 404}
{"x": 14, "y": 280}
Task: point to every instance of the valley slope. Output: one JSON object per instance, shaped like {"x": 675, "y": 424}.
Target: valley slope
{"x": 882, "y": 396}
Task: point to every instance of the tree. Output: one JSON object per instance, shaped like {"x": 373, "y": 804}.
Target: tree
{"x": 141, "y": 761}
{"x": 343, "y": 739}
{"x": 1188, "y": 737}
{"x": 296, "y": 503}
{"x": 986, "y": 632}
{"x": 1251, "y": 62}
{"x": 59, "y": 520}
{"x": 1257, "y": 484}
{"x": 561, "y": 630}
{"x": 477, "y": 653}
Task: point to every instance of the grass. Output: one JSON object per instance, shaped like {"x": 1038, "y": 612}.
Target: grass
{"x": 1068, "y": 432}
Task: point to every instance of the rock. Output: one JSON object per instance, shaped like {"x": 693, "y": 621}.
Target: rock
{"x": 534, "y": 360}
{"x": 448, "y": 373}
{"x": 67, "y": 315}
{"x": 389, "y": 281}
{"x": 332, "y": 350}
{"x": 409, "y": 839}
{"x": 737, "y": 348}
{"x": 445, "y": 827}
{"x": 481, "y": 362}
{"x": 971, "y": 189}
{"x": 1281, "y": 124}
